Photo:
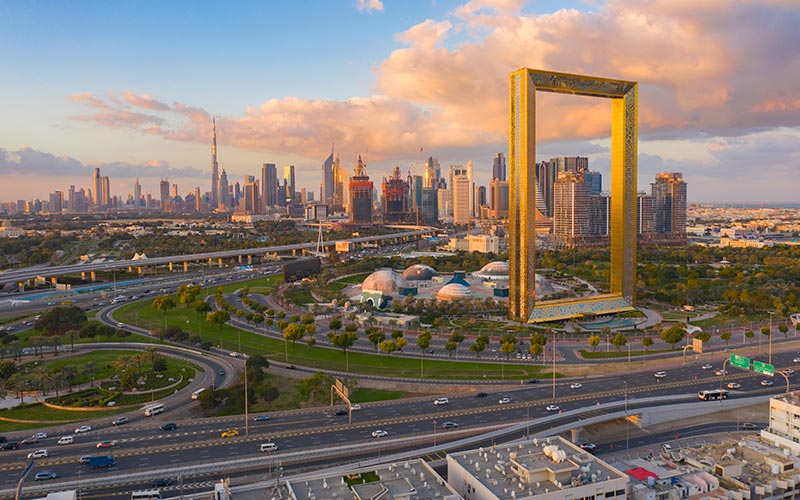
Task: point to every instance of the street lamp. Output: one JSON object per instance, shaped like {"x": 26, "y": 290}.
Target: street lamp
{"x": 770, "y": 335}
{"x": 554, "y": 366}
{"x": 627, "y": 423}
{"x": 434, "y": 433}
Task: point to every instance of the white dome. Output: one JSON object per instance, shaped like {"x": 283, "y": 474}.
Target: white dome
{"x": 420, "y": 272}
{"x": 543, "y": 287}
{"x": 497, "y": 270}
{"x": 454, "y": 291}
{"x": 385, "y": 281}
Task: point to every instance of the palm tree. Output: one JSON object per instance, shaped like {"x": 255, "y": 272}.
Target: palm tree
{"x": 89, "y": 368}
{"x": 164, "y": 303}
{"x": 68, "y": 374}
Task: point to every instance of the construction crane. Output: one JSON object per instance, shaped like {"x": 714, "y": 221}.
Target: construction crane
{"x": 413, "y": 180}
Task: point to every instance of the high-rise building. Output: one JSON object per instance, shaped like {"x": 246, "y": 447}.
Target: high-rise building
{"x": 498, "y": 199}
{"x": 360, "y": 189}
{"x": 252, "y": 203}
{"x": 198, "y": 200}
{"x": 137, "y": 193}
{"x": 600, "y": 205}
{"x": 480, "y": 196}
{"x": 571, "y": 209}
{"x": 269, "y": 185}
{"x": 594, "y": 180}
{"x": 546, "y": 174}
{"x": 72, "y": 201}
{"x": 429, "y": 213}
{"x": 164, "y": 194}
{"x": 223, "y": 191}
{"x": 97, "y": 187}
{"x": 460, "y": 185}
{"x": 214, "y": 165}
{"x": 56, "y": 201}
{"x": 288, "y": 179}
{"x": 499, "y": 167}
{"x": 576, "y": 164}
{"x": 105, "y": 190}
{"x": 174, "y": 192}
{"x": 645, "y": 214}
{"x": 340, "y": 182}
{"x": 669, "y": 191}
{"x": 327, "y": 185}
{"x": 395, "y": 196}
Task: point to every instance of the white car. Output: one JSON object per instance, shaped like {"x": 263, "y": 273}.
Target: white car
{"x": 440, "y": 401}
{"x": 38, "y": 454}
{"x": 796, "y": 360}
{"x": 83, "y": 428}
{"x": 504, "y": 401}
{"x": 766, "y": 382}
{"x": 553, "y": 408}
{"x": 379, "y": 434}
{"x": 721, "y": 372}
{"x": 576, "y": 385}
{"x": 706, "y": 367}
{"x": 734, "y": 385}
{"x": 355, "y": 407}
{"x": 660, "y": 374}
{"x": 40, "y": 435}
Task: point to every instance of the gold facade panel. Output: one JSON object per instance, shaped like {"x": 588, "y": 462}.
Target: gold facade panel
{"x": 523, "y": 85}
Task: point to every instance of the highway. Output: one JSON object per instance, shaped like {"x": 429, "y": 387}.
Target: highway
{"x": 141, "y": 445}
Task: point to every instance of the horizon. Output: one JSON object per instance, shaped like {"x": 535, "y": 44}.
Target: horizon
{"x": 385, "y": 79}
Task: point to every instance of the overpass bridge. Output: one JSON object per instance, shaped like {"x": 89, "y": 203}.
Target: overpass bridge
{"x": 242, "y": 256}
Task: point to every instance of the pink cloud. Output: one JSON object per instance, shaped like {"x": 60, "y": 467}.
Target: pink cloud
{"x": 144, "y": 101}
{"x": 369, "y": 5}
{"x": 89, "y": 100}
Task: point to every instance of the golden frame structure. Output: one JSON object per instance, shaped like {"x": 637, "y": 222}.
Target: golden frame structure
{"x": 523, "y": 85}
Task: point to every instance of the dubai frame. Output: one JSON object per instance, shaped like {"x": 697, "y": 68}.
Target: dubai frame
{"x": 523, "y": 85}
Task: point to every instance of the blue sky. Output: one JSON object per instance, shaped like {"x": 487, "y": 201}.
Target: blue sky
{"x": 130, "y": 87}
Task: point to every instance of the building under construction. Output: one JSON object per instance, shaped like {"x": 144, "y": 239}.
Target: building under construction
{"x": 396, "y": 198}
{"x": 360, "y": 194}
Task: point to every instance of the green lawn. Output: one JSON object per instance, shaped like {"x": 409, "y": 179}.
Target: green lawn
{"x": 102, "y": 359}
{"x": 52, "y": 416}
{"x": 352, "y": 280}
{"x": 229, "y": 338}
{"x": 366, "y": 395}
{"x": 617, "y": 354}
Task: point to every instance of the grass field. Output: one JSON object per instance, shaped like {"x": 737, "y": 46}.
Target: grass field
{"x": 231, "y": 338}
{"x": 617, "y": 354}
{"x": 42, "y": 413}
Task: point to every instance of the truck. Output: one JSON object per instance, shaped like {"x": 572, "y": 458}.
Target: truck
{"x": 102, "y": 461}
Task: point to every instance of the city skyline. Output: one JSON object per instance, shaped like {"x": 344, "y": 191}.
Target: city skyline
{"x": 713, "y": 105}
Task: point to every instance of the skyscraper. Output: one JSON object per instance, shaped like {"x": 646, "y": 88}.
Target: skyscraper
{"x": 339, "y": 186}
{"x": 224, "y": 202}
{"x": 105, "y": 190}
{"x": 164, "y": 192}
{"x": 326, "y": 188}
{"x": 269, "y": 185}
{"x": 571, "y": 219}
{"x": 214, "y": 165}
{"x": 97, "y": 188}
{"x": 595, "y": 181}
{"x": 395, "y": 197}
{"x": 499, "y": 167}
{"x": 461, "y": 188}
{"x": 288, "y": 179}
{"x": 252, "y": 202}
{"x": 360, "y": 194}
{"x": 669, "y": 191}
{"x": 137, "y": 193}
{"x": 72, "y": 202}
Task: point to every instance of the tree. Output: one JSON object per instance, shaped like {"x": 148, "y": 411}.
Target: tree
{"x": 765, "y": 331}
{"x": 396, "y": 334}
{"x": 163, "y": 303}
{"x": 749, "y": 334}
{"x": 388, "y": 346}
{"x": 424, "y": 343}
{"x": 294, "y": 332}
{"x": 59, "y": 320}
{"x": 477, "y": 347}
{"x": 783, "y": 329}
{"x": 335, "y": 324}
{"x": 7, "y": 368}
{"x": 268, "y": 393}
{"x": 375, "y": 335}
{"x": 401, "y": 343}
{"x": 89, "y": 369}
{"x": 457, "y": 337}
{"x": 725, "y": 336}
{"x": 307, "y": 318}
{"x": 536, "y": 349}
{"x": 508, "y": 348}
{"x": 647, "y": 342}
{"x": 202, "y": 307}
{"x": 672, "y": 335}
{"x": 345, "y": 341}
{"x": 594, "y": 341}
{"x": 450, "y": 346}
{"x": 619, "y": 340}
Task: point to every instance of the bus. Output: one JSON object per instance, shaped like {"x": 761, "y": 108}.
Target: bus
{"x": 713, "y": 395}
{"x": 196, "y": 394}
{"x": 153, "y": 410}
{"x": 146, "y": 495}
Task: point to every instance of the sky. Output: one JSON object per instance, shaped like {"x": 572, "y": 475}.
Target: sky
{"x": 131, "y": 87}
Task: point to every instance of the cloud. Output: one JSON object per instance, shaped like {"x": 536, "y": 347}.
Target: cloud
{"x": 144, "y": 101}
{"x": 369, "y": 5}
{"x": 27, "y": 161}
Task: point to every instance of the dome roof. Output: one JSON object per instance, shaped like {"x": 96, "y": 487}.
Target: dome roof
{"x": 454, "y": 291}
{"x": 419, "y": 272}
{"x": 494, "y": 270}
{"x": 543, "y": 286}
{"x": 385, "y": 281}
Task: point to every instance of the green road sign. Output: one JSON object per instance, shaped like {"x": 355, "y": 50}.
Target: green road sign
{"x": 763, "y": 368}
{"x": 740, "y": 361}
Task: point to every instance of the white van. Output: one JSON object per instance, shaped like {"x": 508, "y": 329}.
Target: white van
{"x": 66, "y": 440}
{"x": 269, "y": 447}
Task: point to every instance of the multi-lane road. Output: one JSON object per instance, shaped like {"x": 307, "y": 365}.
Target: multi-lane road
{"x": 142, "y": 445}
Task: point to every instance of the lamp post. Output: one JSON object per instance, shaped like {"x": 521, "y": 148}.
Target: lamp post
{"x": 627, "y": 423}
{"x": 770, "y": 335}
{"x": 554, "y": 366}
{"x": 434, "y": 433}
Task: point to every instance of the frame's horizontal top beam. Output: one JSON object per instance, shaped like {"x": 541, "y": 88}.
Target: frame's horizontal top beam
{"x": 566, "y": 83}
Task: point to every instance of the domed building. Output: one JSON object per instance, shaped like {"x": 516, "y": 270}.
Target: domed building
{"x": 494, "y": 271}
{"x": 419, "y": 272}
{"x": 380, "y": 287}
{"x": 543, "y": 286}
{"x": 454, "y": 291}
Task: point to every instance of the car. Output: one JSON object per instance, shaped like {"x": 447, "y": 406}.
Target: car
{"x": 261, "y": 418}
{"x": 481, "y": 395}
{"x": 575, "y": 385}
{"x": 588, "y": 446}
{"x": 222, "y": 373}
{"x": 38, "y": 454}
{"x": 230, "y": 433}
{"x": 83, "y": 428}
{"x": 340, "y": 412}
{"x": 734, "y": 385}
{"x": 379, "y": 433}
{"x": 504, "y": 401}
{"x": 45, "y": 475}
{"x": 233, "y": 354}
{"x": 30, "y": 440}
{"x": 788, "y": 372}
{"x": 120, "y": 325}
{"x": 706, "y": 367}
{"x": 108, "y": 443}
{"x": 355, "y": 407}
{"x": 660, "y": 374}
{"x": 553, "y": 408}
{"x": 171, "y": 426}
{"x": 666, "y": 447}
{"x": 11, "y": 445}
{"x": 66, "y": 440}
{"x": 440, "y": 401}
{"x": 796, "y": 360}
{"x": 449, "y": 425}
{"x": 721, "y": 372}
{"x": 120, "y": 421}
{"x": 85, "y": 459}
{"x": 749, "y": 426}
{"x": 161, "y": 482}
{"x": 532, "y": 381}
{"x": 766, "y": 382}
{"x": 40, "y": 435}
